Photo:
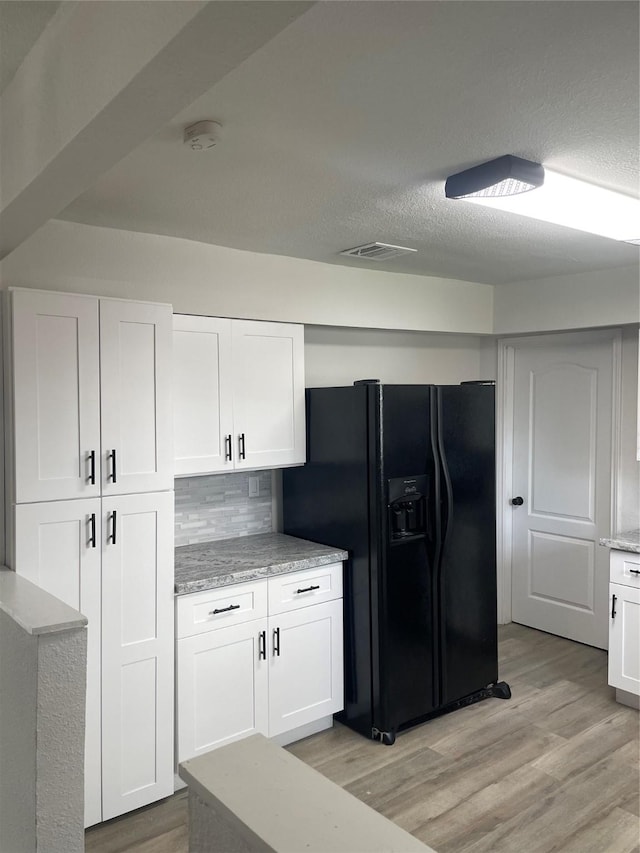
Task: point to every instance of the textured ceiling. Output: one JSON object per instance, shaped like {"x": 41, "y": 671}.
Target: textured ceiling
{"x": 342, "y": 129}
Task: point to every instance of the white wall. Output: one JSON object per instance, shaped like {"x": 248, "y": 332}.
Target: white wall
{"x": 606, "y": 298}
{"x": 42, "y": 685}
{"x": 202, "y": 279}
{"x": 18, "y": 705}
{"x": 402, "y": 328}
{"x": 338, "y": 356}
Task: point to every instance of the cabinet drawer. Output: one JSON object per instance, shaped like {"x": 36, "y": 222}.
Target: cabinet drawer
{"x": 218, "y": 608}
{"x": 625, "y": 568}
{"x": 300, "y": 589}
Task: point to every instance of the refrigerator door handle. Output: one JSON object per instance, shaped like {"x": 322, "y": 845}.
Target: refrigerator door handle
{"x": 437, "y": 510}
{"x": 446, "y": 481}
{"x": 448, "y": 501}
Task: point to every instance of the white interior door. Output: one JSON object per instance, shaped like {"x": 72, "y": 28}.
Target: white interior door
{"x": 137, "y": 651}
{"x": 563, "y": 405}
{"x": 57, "y": 547}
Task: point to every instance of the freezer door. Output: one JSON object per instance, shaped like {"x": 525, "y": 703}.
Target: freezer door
{"x": 407, "y": 641}
{"x": 467, "y": 569}
{"x": 403, "y": 615}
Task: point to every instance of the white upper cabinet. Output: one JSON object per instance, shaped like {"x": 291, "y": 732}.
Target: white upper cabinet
{"x": 56, "y": 402}
{"x": 137, "y": 442}
{"x": 268, "y": 394}
{"x": 202, "y": 413}
{"x": 82, "y": 364}
{"x": 238, "y": 394}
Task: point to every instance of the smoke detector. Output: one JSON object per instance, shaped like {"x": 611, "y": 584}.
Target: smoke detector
{"x": 377, "y": 251}
{"x": 202, "y": 135}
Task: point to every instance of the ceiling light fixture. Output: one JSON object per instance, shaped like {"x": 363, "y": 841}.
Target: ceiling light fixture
{"x": 508, "y": 183}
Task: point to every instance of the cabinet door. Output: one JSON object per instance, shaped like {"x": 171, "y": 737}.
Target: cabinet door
{"x": 222, "y": 687}
{"x": 137, "y": 651}
{"x": 202, "y": 405}
{"x": 56, "y": 418}
{"x": 57, "y": 547}
{"x": 136, "y": 413}
{"x": 268, "y": 394}
{"x": 305, "y": 666}
{"x": 624, "y": 638}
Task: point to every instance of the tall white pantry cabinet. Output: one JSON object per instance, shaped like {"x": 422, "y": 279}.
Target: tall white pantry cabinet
{"x": 90, "y": 516}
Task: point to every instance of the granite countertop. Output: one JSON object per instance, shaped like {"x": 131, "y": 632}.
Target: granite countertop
{"x": 246, "y": 558}
{"x": 627, "y": 540}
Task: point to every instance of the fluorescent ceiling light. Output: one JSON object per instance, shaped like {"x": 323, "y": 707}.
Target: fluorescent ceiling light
{"x": 560, "y": 199}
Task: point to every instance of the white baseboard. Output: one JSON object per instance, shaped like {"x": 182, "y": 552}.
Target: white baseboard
{"x": 303, "y": 731}
{"x": 282, "y": 740}
{"x": 626, "y": 698}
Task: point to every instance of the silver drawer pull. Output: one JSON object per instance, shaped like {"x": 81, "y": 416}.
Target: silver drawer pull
{"x": 308, "y": 589}
{"x": 224, "y": 609}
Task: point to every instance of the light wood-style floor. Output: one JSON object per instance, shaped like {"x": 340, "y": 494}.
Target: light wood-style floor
{"x": 555, "y": 768}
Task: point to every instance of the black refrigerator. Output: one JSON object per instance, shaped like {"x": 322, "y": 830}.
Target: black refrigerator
{"x": 403, "y": 478}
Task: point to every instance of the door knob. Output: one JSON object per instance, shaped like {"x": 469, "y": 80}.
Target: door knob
{"x": 517, "y": 501}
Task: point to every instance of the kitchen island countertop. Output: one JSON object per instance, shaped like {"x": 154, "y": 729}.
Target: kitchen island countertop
{"x": 627, "y": 540}
{"x": 228, "y": 561}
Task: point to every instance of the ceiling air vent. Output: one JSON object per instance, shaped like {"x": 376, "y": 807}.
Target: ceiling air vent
{"x": 377, "y": 251}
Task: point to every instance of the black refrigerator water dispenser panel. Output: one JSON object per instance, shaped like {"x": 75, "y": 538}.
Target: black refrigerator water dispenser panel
{"x": 407, "y": 506}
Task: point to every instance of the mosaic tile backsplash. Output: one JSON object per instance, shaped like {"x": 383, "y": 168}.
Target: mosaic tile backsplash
{"x": 219, "y": 507}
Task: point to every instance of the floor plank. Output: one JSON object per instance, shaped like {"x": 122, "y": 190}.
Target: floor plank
{"x": 564, "y": 814}
{"x": 555, "y": 768}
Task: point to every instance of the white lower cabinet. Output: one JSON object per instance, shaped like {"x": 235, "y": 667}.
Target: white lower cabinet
{"x": 55, "y": 549}
{"x": 305, "y": 673}
{"x": 249, "y": 659}
{"x": 222, "y": 685}
{"x": 624, "y": 624}
{"x": 112, "y": 559}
